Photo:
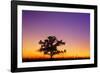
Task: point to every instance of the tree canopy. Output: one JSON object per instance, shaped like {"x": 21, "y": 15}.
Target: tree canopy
{"x": 49, "y": 46}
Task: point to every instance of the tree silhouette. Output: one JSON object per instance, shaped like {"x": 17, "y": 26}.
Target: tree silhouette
{"x": 49, "y": 46}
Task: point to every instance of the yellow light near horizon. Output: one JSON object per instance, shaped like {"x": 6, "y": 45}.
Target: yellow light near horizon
{"x": 31, "y": 47}
{"x": 70, "y": 52}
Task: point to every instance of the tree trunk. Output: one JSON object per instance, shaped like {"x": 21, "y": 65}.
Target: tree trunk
{"x": 51, "y": 55}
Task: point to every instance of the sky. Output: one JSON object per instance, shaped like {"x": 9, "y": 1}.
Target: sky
{"x": 73, "y": 28}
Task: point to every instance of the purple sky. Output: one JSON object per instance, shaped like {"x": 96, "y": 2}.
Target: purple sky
{"x": 61, "y": 23}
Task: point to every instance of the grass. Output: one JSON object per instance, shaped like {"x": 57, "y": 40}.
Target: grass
{"x": 53, "y": 59}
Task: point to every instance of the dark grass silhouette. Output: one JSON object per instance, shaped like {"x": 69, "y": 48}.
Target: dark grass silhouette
{"x": 53, "y": 59}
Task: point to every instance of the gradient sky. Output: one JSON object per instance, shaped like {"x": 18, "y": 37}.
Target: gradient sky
{"x": 72, "y": 28}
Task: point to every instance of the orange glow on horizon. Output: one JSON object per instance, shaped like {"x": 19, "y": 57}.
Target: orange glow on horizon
{"x": 71, "y": 52}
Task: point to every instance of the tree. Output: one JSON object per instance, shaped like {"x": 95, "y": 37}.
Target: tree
{"x": 49, "y": 46}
